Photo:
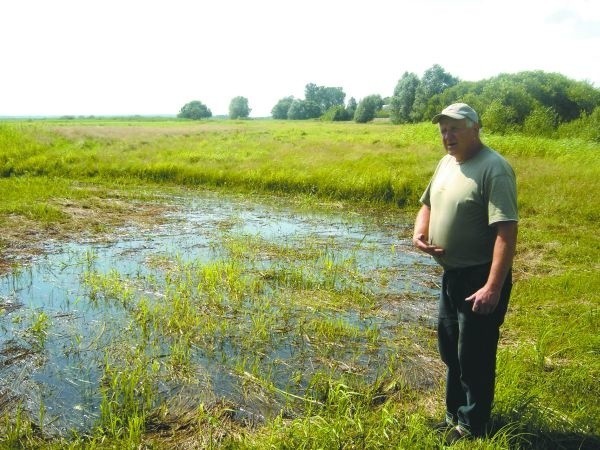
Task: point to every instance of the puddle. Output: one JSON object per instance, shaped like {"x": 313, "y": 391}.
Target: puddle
{"x": 55, "y": 334}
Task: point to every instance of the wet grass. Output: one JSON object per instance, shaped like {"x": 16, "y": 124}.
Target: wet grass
{"x": 84, "y": 177}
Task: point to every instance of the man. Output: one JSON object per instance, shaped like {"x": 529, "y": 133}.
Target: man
{"x": 468, "y": 223}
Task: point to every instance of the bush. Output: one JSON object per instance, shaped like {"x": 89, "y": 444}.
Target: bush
{"x": 499, "y": 118}
{"x": 336, "y": 114}
{"x": 541, "y": 122}
{"x": 586, "y": 127}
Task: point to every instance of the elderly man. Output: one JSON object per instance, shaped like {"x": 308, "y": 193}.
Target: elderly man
{"x": 468, "y": 223}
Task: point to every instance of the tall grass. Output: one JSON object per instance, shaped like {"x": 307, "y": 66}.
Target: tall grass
{"x": 336, "y": 161}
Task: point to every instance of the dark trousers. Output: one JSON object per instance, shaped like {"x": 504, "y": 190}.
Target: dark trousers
{"x": 468, "y": 343}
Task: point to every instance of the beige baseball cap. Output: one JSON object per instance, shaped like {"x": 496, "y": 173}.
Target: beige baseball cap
{"x": 457, "y": 111}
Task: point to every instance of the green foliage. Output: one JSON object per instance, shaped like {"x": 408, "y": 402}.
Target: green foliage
{"x": 513, "y": 95}
{"x": 280, "y": 110}
{"x": 435, "y": 81}
{"x": 499, "y": 118}
{"x": 586, "y": 127}
{"x": 383, "y": 113}
{"x": 541, "y": 122}
{"x": 351, "y": 107}
{"x": 568, "y": 98}
{"x": 303, "y": 109}
{"x": 194, "y": 110}
{"x": 551, "y": 99}
{"x": 318, "y": 101}
{"x": 402, "y": 101}
{"x": 238, "y": 108}
{"x": 367, "y": 108}
{"x": 325, "y": 97}
{"x": 336, "y": 114}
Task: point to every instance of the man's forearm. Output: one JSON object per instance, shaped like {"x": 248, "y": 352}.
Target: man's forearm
{"x": 421, "y": 228}
{"x": 504, "y": 252}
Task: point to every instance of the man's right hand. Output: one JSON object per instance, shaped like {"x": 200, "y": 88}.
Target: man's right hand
{"x": 421, "y": 243}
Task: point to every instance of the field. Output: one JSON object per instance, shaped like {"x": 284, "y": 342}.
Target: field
{"x": 371, "y": 384}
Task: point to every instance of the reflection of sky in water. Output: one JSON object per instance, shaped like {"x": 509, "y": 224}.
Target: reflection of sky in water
{"x": 66, "y": 372}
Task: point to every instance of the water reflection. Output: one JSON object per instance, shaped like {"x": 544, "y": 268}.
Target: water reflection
{"x": 60, "y": 366}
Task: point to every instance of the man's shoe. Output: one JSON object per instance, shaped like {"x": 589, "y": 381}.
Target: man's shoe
{"x": 456, "y": 434}
{"x": 443, "y": 426}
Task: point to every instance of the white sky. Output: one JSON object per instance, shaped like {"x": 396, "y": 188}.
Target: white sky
{"x": 116, "y": 57}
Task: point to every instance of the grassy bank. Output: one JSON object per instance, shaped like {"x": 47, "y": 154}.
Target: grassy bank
{"x": 59, "y": 178}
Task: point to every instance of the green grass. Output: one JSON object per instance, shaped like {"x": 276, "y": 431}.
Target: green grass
{"x": 549, "y": 358}
{"x": 336, "y": 161}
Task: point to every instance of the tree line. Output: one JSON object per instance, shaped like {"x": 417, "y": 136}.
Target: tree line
{"x": 530, "y": 102}
{"x": 238, "y": 109}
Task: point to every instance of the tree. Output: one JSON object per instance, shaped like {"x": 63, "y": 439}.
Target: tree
{"x": 533, "y": 102}
{"x": 303, "y": 109}
{"x": 325, "y": 97}
{"x": 195, "y": 110}
{"x": 584, "y": 95}
{"x": 351, "y": 107}
{"x": 403, "y": 99}
{"x": 513, "y": 95}
{"x": 469, "y": 92}
{"x": 280, "y": 110}
{"x": 435, "y": 81}
{"x": 367, "y": 108}
{"x": 238, "y": 108}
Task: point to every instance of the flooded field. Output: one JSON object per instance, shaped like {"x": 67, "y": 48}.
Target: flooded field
{"x": 230, "y": 300}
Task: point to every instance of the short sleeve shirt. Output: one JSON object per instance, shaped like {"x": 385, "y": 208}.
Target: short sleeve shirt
{"x": 466, "y": 200}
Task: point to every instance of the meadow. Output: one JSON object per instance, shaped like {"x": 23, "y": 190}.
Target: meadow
{"x": 62, "y": 179}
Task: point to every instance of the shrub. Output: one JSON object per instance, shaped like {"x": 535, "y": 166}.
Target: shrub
{"x": 336, "y": 114}
{"x": 499, "y": 118}
{"x": 541, "y": 122}
{"x": 586, "y": 127}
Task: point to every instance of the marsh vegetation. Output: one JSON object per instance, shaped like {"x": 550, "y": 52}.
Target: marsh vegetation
{"x": 249, "y": 285}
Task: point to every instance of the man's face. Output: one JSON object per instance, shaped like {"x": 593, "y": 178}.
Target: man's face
{"x": 459, "y": 141}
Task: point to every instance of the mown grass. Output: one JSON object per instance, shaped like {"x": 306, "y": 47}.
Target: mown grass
{"x": 548, "y": 364}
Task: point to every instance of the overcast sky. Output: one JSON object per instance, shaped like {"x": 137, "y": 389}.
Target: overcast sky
{"x": 121, "y": 57}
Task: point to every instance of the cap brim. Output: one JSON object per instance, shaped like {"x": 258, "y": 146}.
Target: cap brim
{"x": 438, "y": 117}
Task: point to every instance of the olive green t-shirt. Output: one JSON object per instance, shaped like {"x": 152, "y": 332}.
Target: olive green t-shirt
{"x": 466, "y": 199}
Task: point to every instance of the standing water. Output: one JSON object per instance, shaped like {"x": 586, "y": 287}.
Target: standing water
{"x": 227, "y": 293}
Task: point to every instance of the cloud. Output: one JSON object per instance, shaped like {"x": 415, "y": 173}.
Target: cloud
{"x": 580, "y": 20}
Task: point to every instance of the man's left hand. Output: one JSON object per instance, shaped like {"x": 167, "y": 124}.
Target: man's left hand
{"x": 484, "y": 301}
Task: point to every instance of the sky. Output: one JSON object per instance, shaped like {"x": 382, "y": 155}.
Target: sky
{"x": 150, "y": 57}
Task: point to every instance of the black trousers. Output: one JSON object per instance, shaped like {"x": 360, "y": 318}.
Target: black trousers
{"x": 468, "y": 343}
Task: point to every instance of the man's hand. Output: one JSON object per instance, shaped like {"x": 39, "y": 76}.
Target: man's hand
{"x": 484, "y": 301}
{"x": 421, "y": 243}
{"x": 420, "y": 233}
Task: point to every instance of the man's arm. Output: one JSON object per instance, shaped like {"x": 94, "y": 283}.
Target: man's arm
{"x": 486, "y": 299}
{"x": 421, "y": 233}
